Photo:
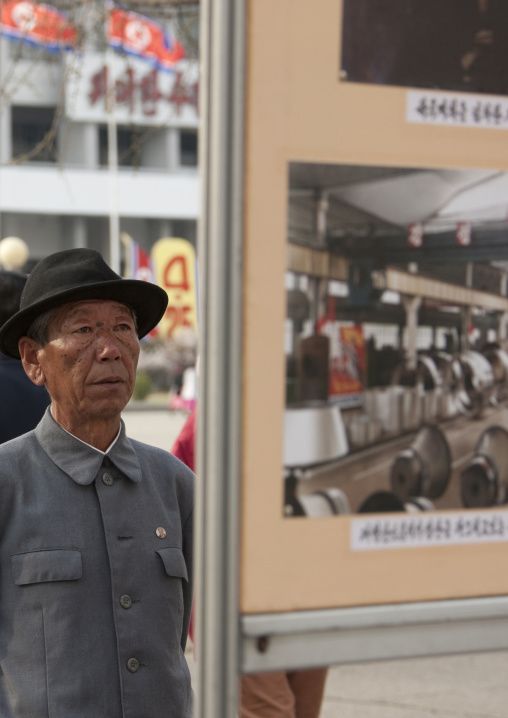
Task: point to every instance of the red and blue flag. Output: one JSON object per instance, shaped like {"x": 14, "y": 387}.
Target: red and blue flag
{"x": 141, "y": 266}
{"x": 38, "y": 24}
{"x": 142, "y": 37}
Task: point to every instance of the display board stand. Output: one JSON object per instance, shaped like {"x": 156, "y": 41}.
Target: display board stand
{"x": 349, "y": 635}
{"x": 266, "y": 584}
{"x": 218, "y": 433}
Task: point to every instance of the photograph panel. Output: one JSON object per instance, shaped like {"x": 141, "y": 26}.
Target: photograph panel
{"x": 396, "y": 340}
{"x": 458, "y": 45}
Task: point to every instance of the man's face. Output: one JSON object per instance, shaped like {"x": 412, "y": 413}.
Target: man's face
{"x": 89, "y": 362}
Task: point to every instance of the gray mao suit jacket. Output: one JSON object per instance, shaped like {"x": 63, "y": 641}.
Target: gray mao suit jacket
{"x": 95, "y": 578}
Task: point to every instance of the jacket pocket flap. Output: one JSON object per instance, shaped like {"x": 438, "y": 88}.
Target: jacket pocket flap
{"x": 173, "y": 561}
{"x": 42, "y": 566}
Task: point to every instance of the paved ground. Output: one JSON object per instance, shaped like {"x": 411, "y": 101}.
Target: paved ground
{"x": 468, "y": 686}
{"x": 157, "y": 427}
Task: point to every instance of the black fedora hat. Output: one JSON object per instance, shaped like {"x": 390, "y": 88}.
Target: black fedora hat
{"x": 75, "y": 275}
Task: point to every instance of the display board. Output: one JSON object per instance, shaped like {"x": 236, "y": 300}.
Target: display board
{"x": 367, "y": 172}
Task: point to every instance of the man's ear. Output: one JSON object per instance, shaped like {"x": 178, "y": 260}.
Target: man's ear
{"x": 29, "y": 353}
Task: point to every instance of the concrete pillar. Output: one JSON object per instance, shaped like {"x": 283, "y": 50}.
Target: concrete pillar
{"x": 90, "y": 149}
{"x": 5, "y": 133}
{"x": 173, "y": 149}
{"x": 502, "y": 327}
{"x": 466, "y": 316}
{"x": 322, "y": 298}
{"x": 5, "y": 108}
{"x": 400, "y": 338}
{"x": 313, "y": 294}
{"x": 504, "y": 285}
{"x": 322, "y": 206}
{"x": 484, "y": 334}
{"x": 317, "y": 293}
{"x": 79, "y": 144}
{"x": 79, "y": 233}
{"x": 411, "y": 306}
{"x": 5, "y": 120}
{"x": 156, "y": 149}
{"x": 469, "y": 275}
{"x": 165, "y": 228}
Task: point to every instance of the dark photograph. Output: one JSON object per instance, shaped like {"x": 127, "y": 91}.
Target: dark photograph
{"x": 396, "y": 340}
{"x": 458, "y": 45}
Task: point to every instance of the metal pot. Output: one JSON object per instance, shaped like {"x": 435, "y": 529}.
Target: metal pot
{"x": 424, "y": 468}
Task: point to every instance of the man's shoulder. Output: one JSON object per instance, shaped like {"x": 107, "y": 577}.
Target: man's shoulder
{"x": 19, "y": 443}
{"x": 18, "y": 452}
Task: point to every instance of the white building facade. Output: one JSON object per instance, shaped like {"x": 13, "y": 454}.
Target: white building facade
{"x": 57, "y": 187}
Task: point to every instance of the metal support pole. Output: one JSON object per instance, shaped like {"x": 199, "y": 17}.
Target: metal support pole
{"x": 322, "y": 206}
{"x": 308, "y": 639}
{"x": 219, "y": 412}
{"x": 114, "y": 217}
{"x": 502, "y": 332}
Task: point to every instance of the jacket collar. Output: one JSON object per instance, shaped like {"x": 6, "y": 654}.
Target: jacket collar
{"x": 79, "y": 460}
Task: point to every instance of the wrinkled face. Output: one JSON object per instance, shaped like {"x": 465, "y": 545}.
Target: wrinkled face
{"x": 89, "y": 362}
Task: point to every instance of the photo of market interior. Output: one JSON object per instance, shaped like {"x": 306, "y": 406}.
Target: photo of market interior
{"x": 396, "y": 340}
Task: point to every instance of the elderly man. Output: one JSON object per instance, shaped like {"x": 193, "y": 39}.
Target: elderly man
{"x": 95, "y": 529}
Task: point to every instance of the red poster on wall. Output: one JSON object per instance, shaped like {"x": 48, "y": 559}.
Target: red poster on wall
{"x": 347, "y": 364}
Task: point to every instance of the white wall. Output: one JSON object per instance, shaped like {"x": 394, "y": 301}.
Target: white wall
{"x": 49, "y": 190}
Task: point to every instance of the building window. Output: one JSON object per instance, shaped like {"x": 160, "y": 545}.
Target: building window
{"x": 189, "y": 148}
{"x": 129, "y": 142}
{"x": 21, "y": 50}
{"x": 34, "y": 133}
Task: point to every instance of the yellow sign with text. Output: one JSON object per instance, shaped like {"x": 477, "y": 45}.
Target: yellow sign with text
{"x": 175, "y": 271}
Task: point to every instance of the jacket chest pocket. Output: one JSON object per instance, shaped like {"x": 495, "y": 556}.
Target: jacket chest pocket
{"x": 174, "y": 562}
{"x": 46, "y": 565}
{"x": 175, "y": 573}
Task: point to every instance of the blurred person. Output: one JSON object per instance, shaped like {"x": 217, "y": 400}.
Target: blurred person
{"x": 95, "y": 529}
{"x": 185, "y": 396}
{"x": 283, "y": 694}
{"x": 22, "y": 404}
{"x": 184, "y": 445}
{"x": 280, "y": 694}
{"x": 183, "y": 449}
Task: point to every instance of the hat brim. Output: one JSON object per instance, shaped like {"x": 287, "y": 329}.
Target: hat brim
{"x": 148, "y": 301}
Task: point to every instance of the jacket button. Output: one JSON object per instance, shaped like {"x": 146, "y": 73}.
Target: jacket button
{"x": 107, "y": 479}
{"x": 132, "y": 665}
{"x": 125, "y": 601}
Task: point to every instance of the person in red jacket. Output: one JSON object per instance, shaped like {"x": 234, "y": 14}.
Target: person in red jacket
{"x": 183, "y": 448}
